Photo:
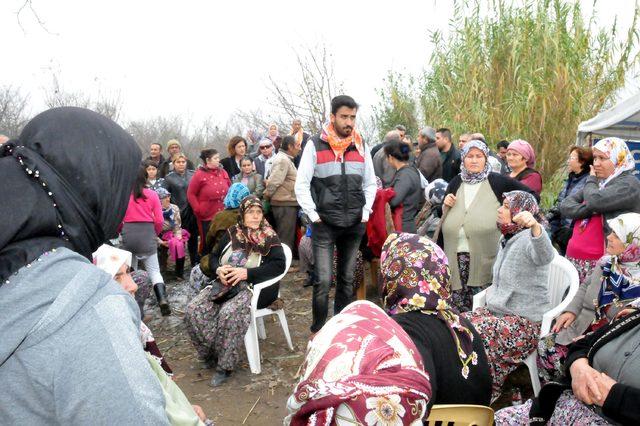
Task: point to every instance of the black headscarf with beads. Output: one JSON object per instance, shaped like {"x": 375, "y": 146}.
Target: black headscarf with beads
{"x": 65, "y": 182}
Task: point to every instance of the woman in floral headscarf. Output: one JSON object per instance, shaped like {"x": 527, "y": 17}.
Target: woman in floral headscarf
{"x": 610, "y": 190}
{"x": 510, "y": 323}
{"x": 361, "y": 368}
{"x": 468, "y": 233}
{"x": 608, "y": 291}
{"x": 415, "y": 292}
{"x": 249, "y": 252}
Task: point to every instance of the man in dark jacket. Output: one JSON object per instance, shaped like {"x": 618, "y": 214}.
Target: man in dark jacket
{"x": 429, "y": 162}
{"x": 449, "y": 155}
{"x": 301, "y": 138}
{"x": 335, "y": 187}
{"x": 155, "y": 154}
{"x": 173, "y": 148}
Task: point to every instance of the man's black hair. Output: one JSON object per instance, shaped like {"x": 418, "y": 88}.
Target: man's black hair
{"x": 503, "y": 144}
{"x": 342, "y": 100}
{"x": 446, "y": 133}
{"x": 287, "y": 141}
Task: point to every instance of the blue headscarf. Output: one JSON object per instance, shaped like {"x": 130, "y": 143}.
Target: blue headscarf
{"x": 237, "y": 192}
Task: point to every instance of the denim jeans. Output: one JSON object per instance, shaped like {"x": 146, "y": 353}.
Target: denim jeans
{"x": 324, "y": 238}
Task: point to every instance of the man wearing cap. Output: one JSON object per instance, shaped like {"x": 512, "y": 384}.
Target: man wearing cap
{"x": 381, "y": 166}
{"x": 263, "y": 162}
{"x": 429, "y": 162}
{"x": 173, "y": 148}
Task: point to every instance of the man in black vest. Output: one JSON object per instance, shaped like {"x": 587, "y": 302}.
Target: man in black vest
{"x": 335, "y": 188}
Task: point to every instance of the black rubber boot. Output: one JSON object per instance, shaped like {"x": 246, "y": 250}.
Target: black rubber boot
{"x": 161, "y": 294}
{"x": 180, "y": 268}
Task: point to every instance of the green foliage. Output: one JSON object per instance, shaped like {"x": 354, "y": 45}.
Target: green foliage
{"x": 398, "y": 105}
{"x": 532, "y": 71}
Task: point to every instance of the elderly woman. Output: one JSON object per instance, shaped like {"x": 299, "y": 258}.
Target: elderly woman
{"x": 601, "y": 384}
{"x": 217, "y": 320}
{"x": 237, "y": 148}
{"x": 222, "y": 221}
{"x": 415, "y": 292}
{"x": 609, "y": 289}
{"x": 610, "y": 190}
{"x": 510, "y": 323}
{"x": 361, "y": 368}
{"x": 249, "y": 177}
{"x": 579, "y": 164}
{"x": 86, "y": 325}
{"x": 206, "y": 192}
{"x": 273, "y": 134}
{"x": 521, "y": 159}
{"x": 468, "y": 232}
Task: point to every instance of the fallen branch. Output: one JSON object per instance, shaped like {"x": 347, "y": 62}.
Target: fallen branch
{"x": 250, "y": 411}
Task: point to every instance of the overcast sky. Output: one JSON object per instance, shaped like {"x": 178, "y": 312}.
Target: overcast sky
{"x": 212, "y": 58}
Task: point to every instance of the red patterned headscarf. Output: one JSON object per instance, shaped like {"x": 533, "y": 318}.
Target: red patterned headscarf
{"x": 361, "y": 368}
{"x": 339, "y": 145}
{"x": 519, "y": 201}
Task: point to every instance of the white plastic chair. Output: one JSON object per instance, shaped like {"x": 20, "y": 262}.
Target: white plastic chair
{"x": 562, "y": 275}
{"x": 256, "y": 327}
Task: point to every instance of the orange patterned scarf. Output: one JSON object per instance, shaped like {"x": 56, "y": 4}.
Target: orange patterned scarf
{"x": 299, "y": 135}
{"x": 340, "y": 145}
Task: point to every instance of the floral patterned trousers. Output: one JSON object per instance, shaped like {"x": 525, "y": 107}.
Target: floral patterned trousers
{"x": 507, "y": 339}
{"x": 217, "y": 331}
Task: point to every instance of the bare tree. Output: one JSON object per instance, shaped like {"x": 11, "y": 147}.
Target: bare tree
{"x": 310, "y": 97}
{"x": 13, "y": 110}
{"x": 56, "y": 96}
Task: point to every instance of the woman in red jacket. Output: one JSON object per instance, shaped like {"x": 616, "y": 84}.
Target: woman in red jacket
{"x": 141, "y": 225}
{"x": 206, "y": 192}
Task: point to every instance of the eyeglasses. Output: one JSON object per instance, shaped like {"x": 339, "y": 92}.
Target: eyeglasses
{"x": 265, "y": 147}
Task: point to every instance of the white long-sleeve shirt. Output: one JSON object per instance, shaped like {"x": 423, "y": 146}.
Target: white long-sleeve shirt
{"x": 306, "y": 171}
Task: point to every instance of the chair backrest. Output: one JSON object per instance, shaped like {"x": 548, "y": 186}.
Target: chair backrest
{"x": 288, "y": 256}
{"x": 461, "y": 415}
{"x": 561, "y": 273}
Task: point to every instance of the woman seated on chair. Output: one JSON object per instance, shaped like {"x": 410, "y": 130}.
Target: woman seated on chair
{"x": 510, "y": 323}
{"x": 416, "y": 293}
{"x": 608, "y": 290}
{"x": 218, "y": 318}
{"x": 601, "y": 385}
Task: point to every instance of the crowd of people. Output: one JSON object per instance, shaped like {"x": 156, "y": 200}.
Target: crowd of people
{"x": 439, "y": 222}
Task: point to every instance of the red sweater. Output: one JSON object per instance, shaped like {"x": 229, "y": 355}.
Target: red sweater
{"x": 145, "y": 210}
{"x": 206, "y": 192}
{"x": 533, "y": 181}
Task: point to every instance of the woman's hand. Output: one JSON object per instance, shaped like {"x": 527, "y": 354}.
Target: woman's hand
{"x": 527, "y": 220}
{"x": 584, "y": 382}
{"x": 199, "y": 412}
{"x": 450, "y": 200}
{"x": 604, "y": 385}
{"x": 564, "y": 321}
{"x": 235, "y": 275}
{"x": 222, "y": 272}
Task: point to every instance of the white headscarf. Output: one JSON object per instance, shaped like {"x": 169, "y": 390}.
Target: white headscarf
{"x": 618, "y": 152}
{"x": 111, "y": 259}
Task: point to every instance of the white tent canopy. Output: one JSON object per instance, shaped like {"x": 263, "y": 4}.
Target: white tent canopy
{"x": 622, "y": 120}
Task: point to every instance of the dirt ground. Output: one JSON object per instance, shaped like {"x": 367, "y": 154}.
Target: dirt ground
{"x": 247, "y": 398}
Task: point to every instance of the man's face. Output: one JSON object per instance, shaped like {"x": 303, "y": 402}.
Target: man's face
{"x": 154, "y": 150}
{"x": 502, "y": 152}
{"x": 296, "y": 126}
{"x": 402, "y": 134}
{"x": 174, "y": 149}
{"x": 463, "y": 140}
{"x": 295, "y": 149}
{"x": 344, "y": 121}
{"x": 441, "y": 141}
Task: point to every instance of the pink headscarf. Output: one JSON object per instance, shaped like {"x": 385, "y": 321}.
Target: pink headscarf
{"x": 523, "y": 148}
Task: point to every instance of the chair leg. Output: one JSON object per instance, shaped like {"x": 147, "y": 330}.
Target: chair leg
{"x": 253, "y": 348}
{"x": 530, "y": 362}
{"x": 262, "y": 333}
{"x": 285, "y": 327}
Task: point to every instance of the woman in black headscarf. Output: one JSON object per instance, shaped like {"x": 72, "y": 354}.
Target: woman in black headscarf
{"x": 69, "y": 334}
